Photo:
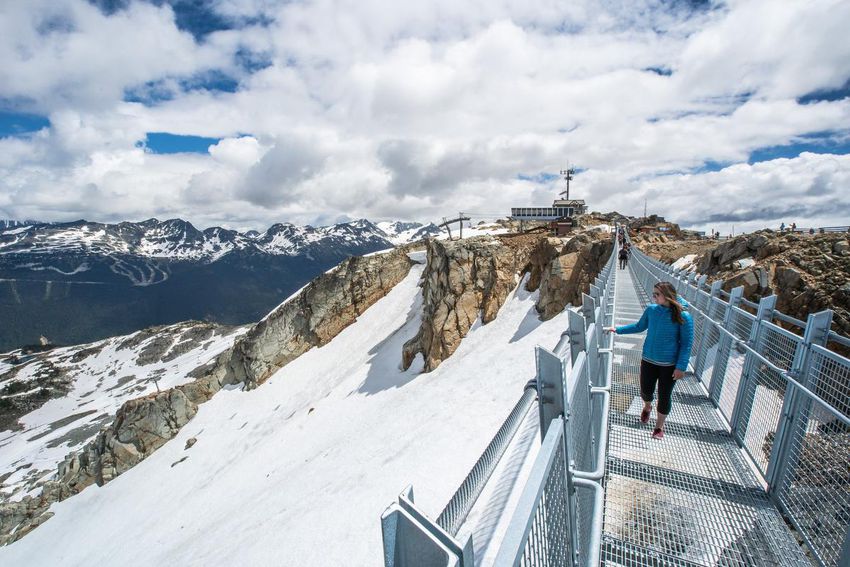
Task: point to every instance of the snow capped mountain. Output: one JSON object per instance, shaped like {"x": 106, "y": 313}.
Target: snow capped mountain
{"x": 6, "y": 223}
{"x": 81, "y": 281}
{"x": 176, "y": 239}
{"x": 399, "y": 232}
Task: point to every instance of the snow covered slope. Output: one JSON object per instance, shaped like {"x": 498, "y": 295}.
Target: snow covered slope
{"x": 92, "y": 381}
{"x": 298, "y": 471}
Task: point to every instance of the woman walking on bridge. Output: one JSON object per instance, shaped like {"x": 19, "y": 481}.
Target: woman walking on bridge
{"x": 666, "y": 350}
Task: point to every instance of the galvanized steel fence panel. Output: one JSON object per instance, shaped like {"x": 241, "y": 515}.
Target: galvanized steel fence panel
{"x": 786, "y": 398}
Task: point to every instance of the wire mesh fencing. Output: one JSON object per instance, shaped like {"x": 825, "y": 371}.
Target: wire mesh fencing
{"x": 786, "y": 398}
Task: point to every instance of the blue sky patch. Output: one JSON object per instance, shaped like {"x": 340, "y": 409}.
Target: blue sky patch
{"x": 154, "y": 92}
{"x": 214, "y": 80}
{"x": 165, "y": 143}
{"x": 20, "y": 123}
{"x": 540, "y": 178}
{"x": 198, "y": 17}
{"x": 150, "y": 93}
{"x": 828, "y": 95}
{"x": 710, "y": 165}
{"x": 252, "y": 61}
{"x": 663, "y": 71}
{"x": 818, "y": 143}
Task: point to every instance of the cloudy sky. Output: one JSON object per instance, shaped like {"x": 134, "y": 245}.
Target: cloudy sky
{"x": 241, "y": 113}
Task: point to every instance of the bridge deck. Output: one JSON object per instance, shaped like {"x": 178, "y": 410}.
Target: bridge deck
{"x": 691, "y": 498}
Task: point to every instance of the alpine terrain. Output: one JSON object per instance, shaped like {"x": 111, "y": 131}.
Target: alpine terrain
{"x": 281, "y": 443}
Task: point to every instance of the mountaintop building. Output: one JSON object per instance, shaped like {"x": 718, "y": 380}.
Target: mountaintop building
{"x": 560, "y": 215}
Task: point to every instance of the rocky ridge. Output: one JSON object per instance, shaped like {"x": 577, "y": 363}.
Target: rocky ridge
{"x": 808, "y": 273}
{"x": 314, "y": 316}
{"x": 470, "y": 279}
{"x": 463, "y": 280}
{"x": 563, "y": 271}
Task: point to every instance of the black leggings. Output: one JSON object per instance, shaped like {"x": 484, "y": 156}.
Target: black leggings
{"x": 623, "y": 262}
{"x": 650, "y": 374}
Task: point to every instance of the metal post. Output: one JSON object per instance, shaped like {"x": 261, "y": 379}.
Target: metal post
{"x": 411, "y": 539}
{"x": 744, "y": 402}
{"x": 706, "y": 326}
{"x": 578, "y": 342}
{"x": 551, "y": 382}
{"x": 595, "y": 292}
{"x": 588, "y": 309}
{"x": 718, "y": 376}
{"x": 784, "y": 454}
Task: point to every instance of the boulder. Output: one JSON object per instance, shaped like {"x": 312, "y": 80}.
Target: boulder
{"x": 788, "y": 278}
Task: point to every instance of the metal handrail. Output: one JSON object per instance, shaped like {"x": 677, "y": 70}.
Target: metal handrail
{"x": 464, "y": 498}
{"x": 602, "y": 447}
{"x": 783, "y": 372}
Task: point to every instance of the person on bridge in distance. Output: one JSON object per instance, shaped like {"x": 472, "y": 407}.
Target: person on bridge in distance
{"x": 623, "y": 256}
{"x": 666, "y": 350}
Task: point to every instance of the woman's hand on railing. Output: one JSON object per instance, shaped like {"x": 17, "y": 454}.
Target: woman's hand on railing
{"x": 611, "y": 330}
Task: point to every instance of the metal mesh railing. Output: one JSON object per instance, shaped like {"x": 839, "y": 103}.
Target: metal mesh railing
{"x": 786, "y": 398}
{"x": 815, "y": 490}
{"x": 464, "y": 498}
{"x": 582, "y": 431}
{"x": 558, "y": 520}
{"x": 580, "y": 420}
{"x": 546, "y": 538}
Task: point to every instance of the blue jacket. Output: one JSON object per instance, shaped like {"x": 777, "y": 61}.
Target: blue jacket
{"x": 666, "y": 342}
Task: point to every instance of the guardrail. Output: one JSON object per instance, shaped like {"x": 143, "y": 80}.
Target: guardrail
{"x": 821, "y": 229}
{"x": 558, "y": 520}
{"x": 785, "y": 398}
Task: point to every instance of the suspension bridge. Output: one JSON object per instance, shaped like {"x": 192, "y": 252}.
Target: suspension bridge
{"x": 754, "y": 468}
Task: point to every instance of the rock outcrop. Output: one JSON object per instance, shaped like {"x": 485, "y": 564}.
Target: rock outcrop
{"x": 808, "y": 273}
{"x": 468, "y": 279}
{"x": 310, "y": 318}
{"x": 463, "y": 280}
{"x": 314, "y": 316}
{"x": 564, "y": 271}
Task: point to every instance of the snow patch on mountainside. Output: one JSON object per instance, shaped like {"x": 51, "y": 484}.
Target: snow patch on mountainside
{"x": 102, "y": 375}
{"x": 84, "y": 267}
{"x": 298, "y": 471}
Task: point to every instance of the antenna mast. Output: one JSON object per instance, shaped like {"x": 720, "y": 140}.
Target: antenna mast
{"x": 568, "y": 175}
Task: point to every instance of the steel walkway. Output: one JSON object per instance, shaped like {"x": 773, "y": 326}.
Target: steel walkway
{"x": 692, "y": 498}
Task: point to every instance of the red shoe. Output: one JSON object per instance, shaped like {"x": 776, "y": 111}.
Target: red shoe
{"x": 644, "y": 415}
{"x": 657, "y": 433}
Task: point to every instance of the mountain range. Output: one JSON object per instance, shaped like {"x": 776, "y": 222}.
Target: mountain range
{"x": 81, "y": 281}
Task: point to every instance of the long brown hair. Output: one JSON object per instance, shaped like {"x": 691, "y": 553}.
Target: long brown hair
{"x": 667, "y": 290}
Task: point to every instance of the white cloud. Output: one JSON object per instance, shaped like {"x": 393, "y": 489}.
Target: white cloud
{"x": 390, "y": 110}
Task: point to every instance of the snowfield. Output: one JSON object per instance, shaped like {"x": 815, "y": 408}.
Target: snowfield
{"x": 299, "y": 470}
{"x": 111, "y": 374}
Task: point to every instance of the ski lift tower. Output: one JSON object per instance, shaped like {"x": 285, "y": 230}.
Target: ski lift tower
{"x": 448, "y": 222}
